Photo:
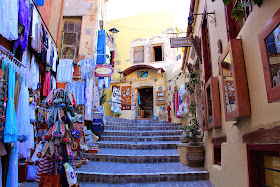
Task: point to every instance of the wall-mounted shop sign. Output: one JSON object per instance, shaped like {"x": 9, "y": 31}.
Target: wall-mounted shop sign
{"x": 103, "y": 70}
{"x": 181, "y": 42}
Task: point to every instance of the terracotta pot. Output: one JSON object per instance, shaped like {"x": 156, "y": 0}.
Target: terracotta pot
{"x": 195, "y": 155}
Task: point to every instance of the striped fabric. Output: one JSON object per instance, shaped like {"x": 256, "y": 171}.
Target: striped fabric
{"x": 45, "y": 168}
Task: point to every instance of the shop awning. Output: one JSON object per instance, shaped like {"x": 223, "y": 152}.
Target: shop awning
{"x": 138, "y": 67}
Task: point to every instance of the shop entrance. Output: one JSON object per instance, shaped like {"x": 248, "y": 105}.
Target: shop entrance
{"x": 145, "y": 102}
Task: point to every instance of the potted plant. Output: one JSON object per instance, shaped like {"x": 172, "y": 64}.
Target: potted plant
{"x": 195, "y": 148}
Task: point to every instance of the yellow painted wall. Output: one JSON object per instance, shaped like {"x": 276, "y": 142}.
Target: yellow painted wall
{"x": 233, "y": 171}
{"x": 144, "y": 27}
{"x": 132, "y": 28}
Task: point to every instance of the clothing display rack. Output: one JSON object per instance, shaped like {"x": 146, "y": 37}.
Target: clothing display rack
{"x": 6, "y": 51}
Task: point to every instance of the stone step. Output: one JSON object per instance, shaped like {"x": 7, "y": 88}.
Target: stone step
{"x": 113, "y": 172}
{"x": 142, "y": 133}
{"x": 141, "y": 138}
{"x": 200, "y": 183}
{"x": 134, "y": 156}
{"x": 143, "y": 124}
{"x": 131, "y": 128}
{"x": 139, "y": 146}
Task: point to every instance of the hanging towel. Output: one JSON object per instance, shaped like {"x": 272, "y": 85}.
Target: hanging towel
{"x": 101, "y": 47}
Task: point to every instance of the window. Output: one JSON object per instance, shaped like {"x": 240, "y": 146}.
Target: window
{"x": 71, "y": 38}
{"x": 157, "y": 53}
{"x": 233, "y": 25}
{"x": 206, "y": 50}
{"x": 217, "y": 154}
{"x": 212, "y": 108}
{"x": 112, "y": 60}
{"x": 269, "y": 39}
{"x": 263, "y": 165}
{"x": 234, "y": 81}
{"x": 138, "y": 54}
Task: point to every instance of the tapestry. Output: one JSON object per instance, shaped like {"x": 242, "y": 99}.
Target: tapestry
{"x": 126, "y": 93}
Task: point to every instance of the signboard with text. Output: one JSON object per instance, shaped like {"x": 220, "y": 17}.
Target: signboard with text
{"x": 103, "y": 70}
{"x": 181, "y": 42}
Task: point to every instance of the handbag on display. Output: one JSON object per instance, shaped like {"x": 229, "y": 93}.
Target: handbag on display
{"x": 70, "y": 175}
{"x": 31, "y": 172}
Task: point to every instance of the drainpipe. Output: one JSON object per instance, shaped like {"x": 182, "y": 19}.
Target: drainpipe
{"x": 189, "y": 31}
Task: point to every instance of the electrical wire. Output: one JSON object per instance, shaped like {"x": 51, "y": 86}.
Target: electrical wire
{"x": 234, "y": 141}
{"x": 133, "y": 28}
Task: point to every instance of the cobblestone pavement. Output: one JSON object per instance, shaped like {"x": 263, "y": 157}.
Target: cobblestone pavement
{"x": 158, "y": 184}
{"x": 136, "y": 168}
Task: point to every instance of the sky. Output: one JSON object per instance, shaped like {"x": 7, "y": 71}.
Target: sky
{"x": 116, "y": 9}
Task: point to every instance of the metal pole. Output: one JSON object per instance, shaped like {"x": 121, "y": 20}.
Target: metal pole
{"x": 136, "y": 129}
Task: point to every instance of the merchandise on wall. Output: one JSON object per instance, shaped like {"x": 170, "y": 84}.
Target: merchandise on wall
{"x": 27, "y": 76}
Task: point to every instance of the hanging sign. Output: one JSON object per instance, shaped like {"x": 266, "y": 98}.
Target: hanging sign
{"x": 103, "y": 70}
{"x": 181, "y": 42}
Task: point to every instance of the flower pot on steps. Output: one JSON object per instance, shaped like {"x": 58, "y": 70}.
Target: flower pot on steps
{"x": 195, "y": 155}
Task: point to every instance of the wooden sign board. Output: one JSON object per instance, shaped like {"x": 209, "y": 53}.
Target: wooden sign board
{"x": 160, "y": 97}
{"x": 181, "y": 42}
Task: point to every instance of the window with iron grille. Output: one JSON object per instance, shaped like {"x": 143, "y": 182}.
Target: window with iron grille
{"x": 138, "y": 54}
{"x": 263, "y": 165}
{"x": 70, "y": 38}
{"x": 233, "y": 25}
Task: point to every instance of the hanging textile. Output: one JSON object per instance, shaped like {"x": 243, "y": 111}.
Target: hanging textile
{"x": 33, "y": 78}
{"x": 10, "y": 130}
{"x": 87, "y": 65}
{"x": 39, "y": 2}
{"x": 17, "y": 90}
{"x": 9, "y": 19}
{"x": 55, "y": 58}
{"x": 23, "y": 121}
{"x": 89, "y": 98}
{"x": 47, "y": 84}
{"x": 101, "y": 47}
{"x": 65, "y": 70}
{"x": 78, "y": 88}
{"x": 36, "y": 32}
{"x": 24, "y": 19}
{"x": 12, "y": 176}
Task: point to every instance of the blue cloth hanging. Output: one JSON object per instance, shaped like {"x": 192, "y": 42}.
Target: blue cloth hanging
{"x": 101, "y": 47}
{"x": 39, "y": 2}
{"x": 139, "y": 99}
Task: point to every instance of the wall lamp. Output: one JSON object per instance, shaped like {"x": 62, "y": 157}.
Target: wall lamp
{"x": 210, "y": 14}
{"x": 113, "y": 34}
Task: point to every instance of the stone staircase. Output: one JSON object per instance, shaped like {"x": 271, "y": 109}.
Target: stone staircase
{"x": 151, "y": 156}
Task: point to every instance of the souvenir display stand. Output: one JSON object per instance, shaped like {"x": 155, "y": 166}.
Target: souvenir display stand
{"x": 56, "y": 155}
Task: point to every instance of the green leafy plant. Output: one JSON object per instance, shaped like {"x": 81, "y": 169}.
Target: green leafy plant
{"x": 194, "y": 131}
{"x": 102, "y": 98}
{"x": 238, "y": 10}
{"x": 190, "y": 85}
{"x": 193, "y": 128}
